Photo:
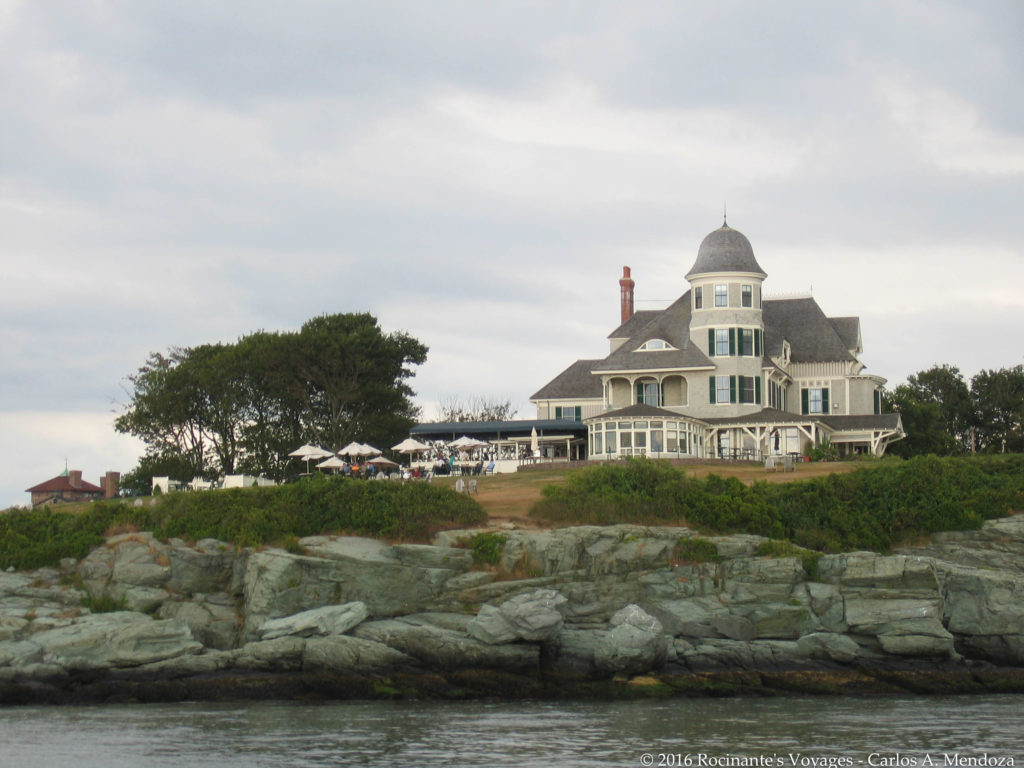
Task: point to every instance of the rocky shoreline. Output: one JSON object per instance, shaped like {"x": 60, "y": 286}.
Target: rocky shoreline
{"x": 618, "y": 611}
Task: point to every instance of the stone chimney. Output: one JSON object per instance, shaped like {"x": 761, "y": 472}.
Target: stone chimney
{"x": 110, "y": 484}
{"x": 626, "y": 294}
{"x": 75, "y": 478}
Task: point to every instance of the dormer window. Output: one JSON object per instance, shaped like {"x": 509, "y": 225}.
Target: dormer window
{"x": 654, "y": 344}
{"x": 747, "y": 295}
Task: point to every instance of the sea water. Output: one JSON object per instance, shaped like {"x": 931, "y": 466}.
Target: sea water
{"x": 797, "y": 732}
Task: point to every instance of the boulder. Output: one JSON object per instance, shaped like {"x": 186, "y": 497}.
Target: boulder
{"x": 329, "y": 620}
{"x": 636, "y": 643}
{"x": 442, "y": 649}
{"x": 343, "y": 653}
{"x": 121, "y": 639}
{"x": 829, "y": 645}
{"x": 534, "y": 616}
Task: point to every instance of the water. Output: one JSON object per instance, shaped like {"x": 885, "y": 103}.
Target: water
{"x": 852, "y": 731}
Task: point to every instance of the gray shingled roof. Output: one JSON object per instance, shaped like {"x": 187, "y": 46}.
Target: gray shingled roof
{"x": 848, "y": 329}
{"x": 672, "y": 325}
{"x": 639, "y": 410}
{"x": 812, "y": 338}
{"x": 637, "y": 321}
{"x": 862, "y": 422}
{"x": 725, "y": 250}
{"x": 576, "y": 381}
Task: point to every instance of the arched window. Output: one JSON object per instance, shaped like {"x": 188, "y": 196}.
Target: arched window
{"x": 653, "y": 345}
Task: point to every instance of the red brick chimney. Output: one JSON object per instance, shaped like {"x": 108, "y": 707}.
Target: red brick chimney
{"x": 626, "y": 294}
{"x": 75, "y": 478}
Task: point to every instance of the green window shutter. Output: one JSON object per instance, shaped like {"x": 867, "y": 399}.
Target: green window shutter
{"x": 639, "y": 392}
{"x": 804, "y": 407}
{"x": 878, "y": 402}
{"x": 732, "y": 389}
{"x": 824, "y": 401}
{"x": 757, "y": 342}
{"x": 712, "y": 390}
{"x": 732, "y": 341}
{"x": 578, "y": 412}
{"x": 711, "y": 342}
{"x": 661, "y": 393}
{"x": 558, "y": 411}
{"x": 757, "y": 390}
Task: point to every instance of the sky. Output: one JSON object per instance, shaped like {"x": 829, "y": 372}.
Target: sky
{"x": 477, "y": 174}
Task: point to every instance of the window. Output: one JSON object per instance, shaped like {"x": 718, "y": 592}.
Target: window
{"x": 878, "y": 401}
{"x": 721, "y": 295}
{"x": 649, "y": 393}
{"x": 722, "y": 342}
{"x": 721, "y": 392}
{"x": 814, "y": 400}
{"x": 657, "y": 446}
{"x": 570, "y": 412}
{"x": 747, "y": 295}
{"x": 698, "y": 297}
{"x": 750, "y": 389}
{"x": 746, "y": 341}
{"x": 654, "y": 344}
{"x": 598, "y": 448}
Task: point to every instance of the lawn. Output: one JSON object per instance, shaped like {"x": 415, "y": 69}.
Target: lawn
{"x": 509, "y": 497}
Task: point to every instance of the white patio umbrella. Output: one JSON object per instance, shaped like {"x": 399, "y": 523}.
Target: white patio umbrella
{"x": 383, "y": 461}
{"x": 467, "y": 442}
{"x": 332, "y": 463}
{"x": 410, "y": 445}
{"x": 309, "y": 452}
{"x": 370, "y": 450}
{"x": 353, "y": 449}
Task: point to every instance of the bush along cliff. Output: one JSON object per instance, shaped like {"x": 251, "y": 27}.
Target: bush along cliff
{"x": 620, "y": 610}
{"x": 873, "y": 507}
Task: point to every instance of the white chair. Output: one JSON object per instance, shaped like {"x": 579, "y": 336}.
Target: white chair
{"x": 460, "y": 485}
{"x": 472, "y": 485}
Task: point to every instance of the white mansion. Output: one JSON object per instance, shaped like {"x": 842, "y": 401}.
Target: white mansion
{"x": 723, "y": 372}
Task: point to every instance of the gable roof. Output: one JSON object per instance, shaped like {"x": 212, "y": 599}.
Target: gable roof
{"x": 812, "y": 337}
{"x": 574, "y": 381}
{"x": 63, "y": 483}
{"x": 672, "y": 325}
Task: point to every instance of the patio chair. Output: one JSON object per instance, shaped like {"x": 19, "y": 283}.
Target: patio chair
{"x": 460, "y": 485}
{"x": 769, "y": 464}
{"x": 472, "y": 486}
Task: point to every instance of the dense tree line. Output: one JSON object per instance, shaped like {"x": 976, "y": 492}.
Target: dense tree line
{"x": 241, "y": 408}
{"x": 946, "y": 415}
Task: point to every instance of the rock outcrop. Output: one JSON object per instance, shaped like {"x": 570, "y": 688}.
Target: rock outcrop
{"x": 615, "y": 610}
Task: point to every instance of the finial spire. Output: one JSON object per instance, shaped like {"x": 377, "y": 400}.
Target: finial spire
{"x": 725, "y": 215}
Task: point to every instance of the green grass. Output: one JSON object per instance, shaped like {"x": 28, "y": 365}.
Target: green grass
{"x": 872, "y": 507}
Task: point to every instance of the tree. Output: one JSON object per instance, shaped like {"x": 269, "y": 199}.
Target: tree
{"x": 220, "y": 408}
{"x": 480, "y": 408}
{"x": 922, "y": 421}
{"x": 999, "y": 410}
{"x": 936, "y": 409}
{"x": 944, "y": 385}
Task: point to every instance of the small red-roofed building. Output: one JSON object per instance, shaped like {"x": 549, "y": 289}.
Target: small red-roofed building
{"x": 69, "y": 486}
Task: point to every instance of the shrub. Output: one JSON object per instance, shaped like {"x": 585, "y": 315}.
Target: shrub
{"x": 242, "y": 516}
{"x": 487, "y": 548}
{"x": 695, "y": 551}
{"x": 872, "y": 507}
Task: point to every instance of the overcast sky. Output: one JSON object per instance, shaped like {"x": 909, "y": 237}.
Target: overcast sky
{"x": 477, "y": 174}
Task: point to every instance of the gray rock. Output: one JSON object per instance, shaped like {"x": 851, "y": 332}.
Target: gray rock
{"x": 829, "y": 645}
{"x": 636, "y": 643}
{"x": 115, "y": 640}
{"x": 329, "y": 620}
{"x": 534, "y": 616}
{"x": 343, "y": 653}
{"x": 443, "y": 649}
